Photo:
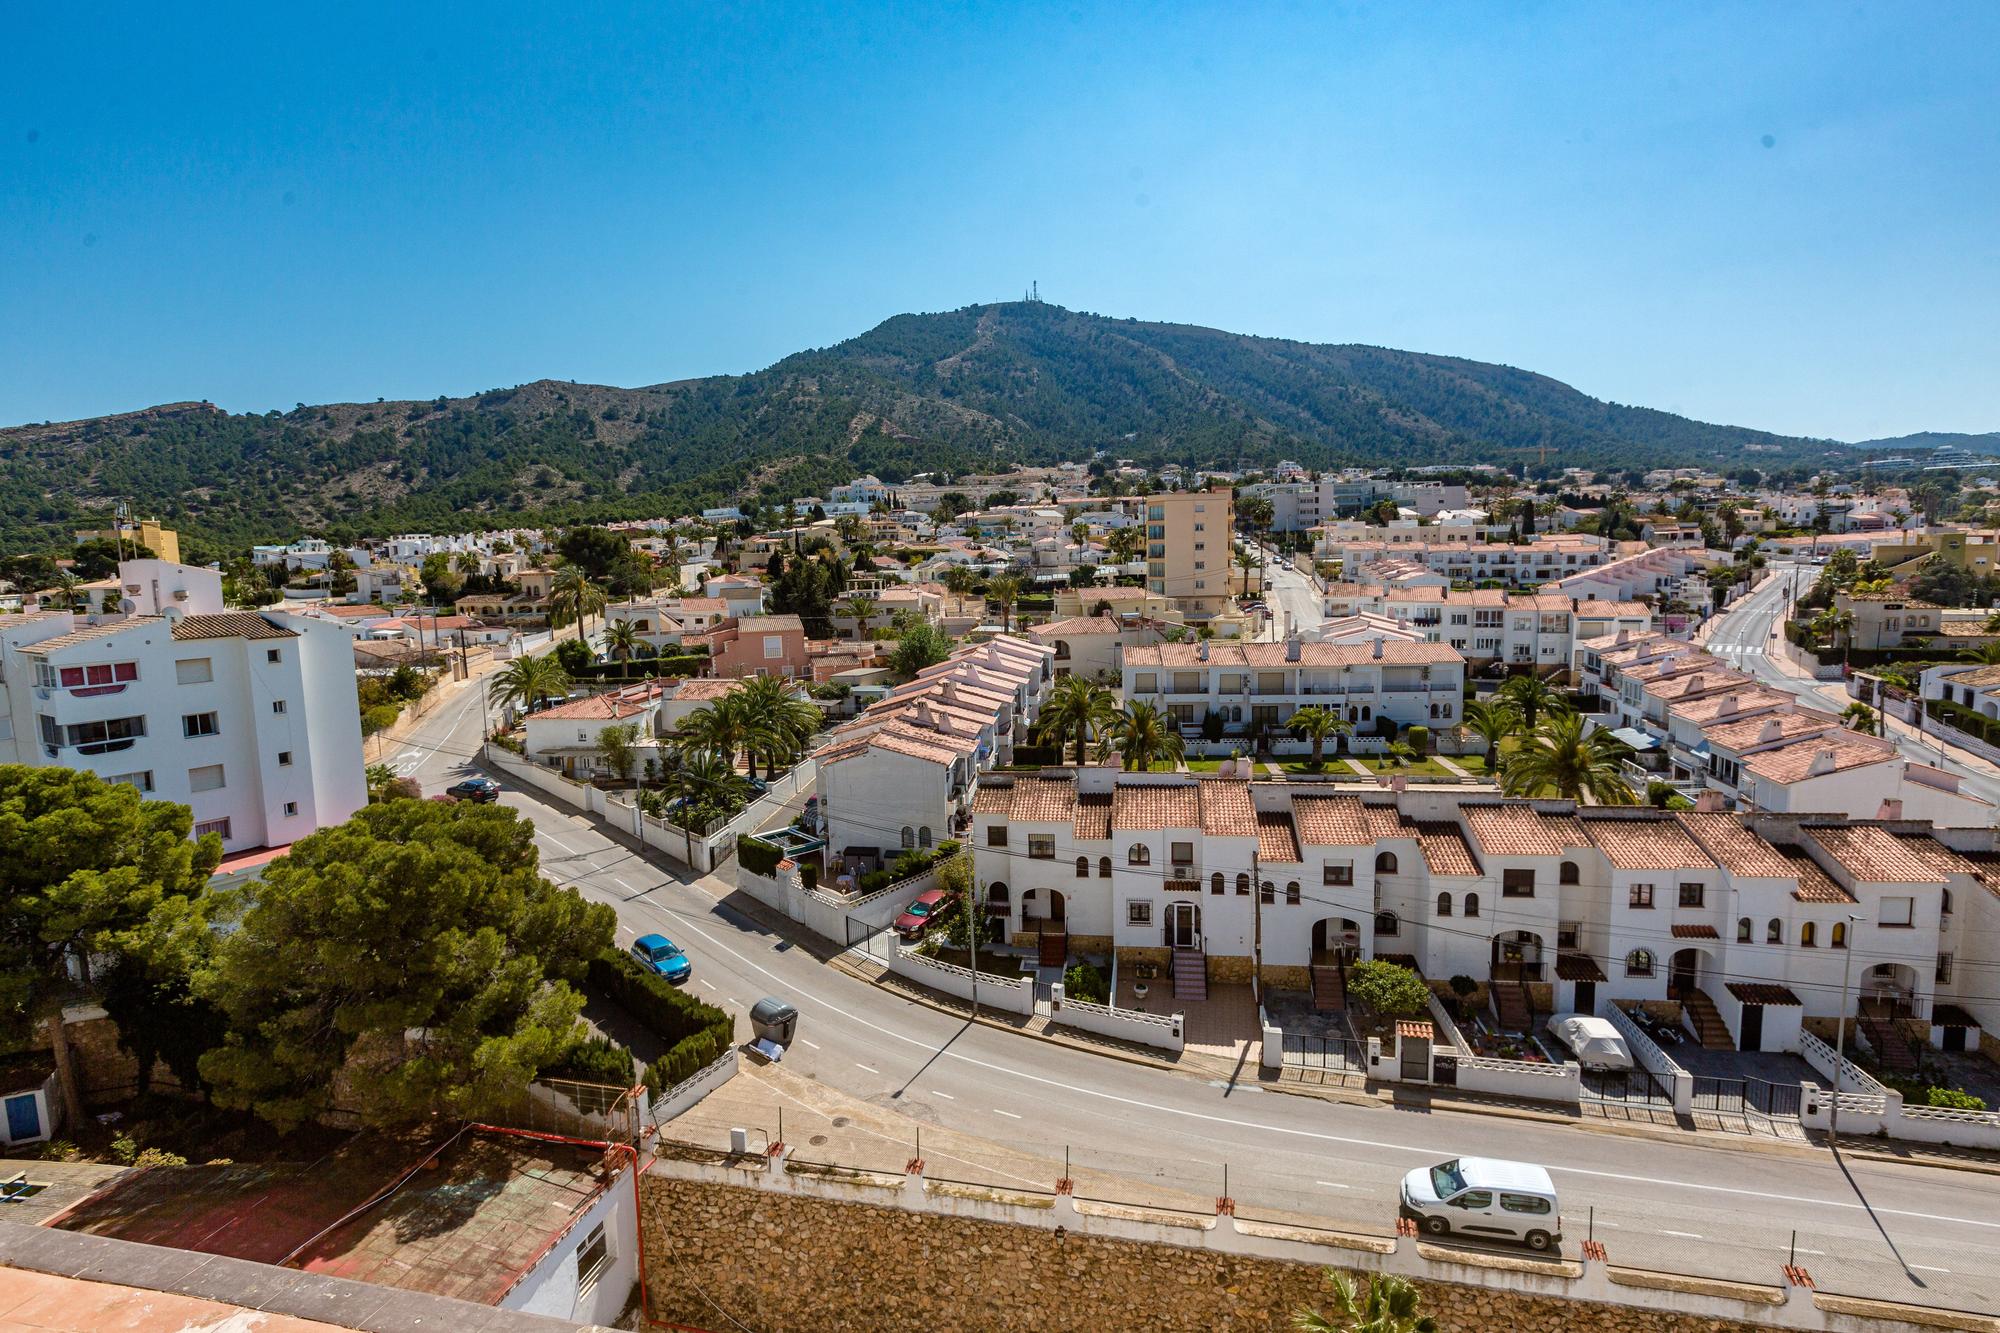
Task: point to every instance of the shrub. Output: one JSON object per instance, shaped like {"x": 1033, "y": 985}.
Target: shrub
{"x": 1952, "y": 1099}
{"x": 379, "y": 718}
{"x": 1026, "y": 756}
{"x": 1419, "y": 738}
{"x": 597, "y": 1060}
{"x": 1390, "y": 989}
{"x": 695, "y": 1034}
{"x": 757, "y": 856}
{"x": 1385, "y": 727}
{"x": 1086, "y": 983}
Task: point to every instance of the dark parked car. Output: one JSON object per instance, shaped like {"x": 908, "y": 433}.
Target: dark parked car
{"x": 479, "y": 790}
{"x": 919, "y": 913}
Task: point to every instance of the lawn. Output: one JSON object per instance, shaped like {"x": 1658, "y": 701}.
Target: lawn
{"x": 1204, "y": 765}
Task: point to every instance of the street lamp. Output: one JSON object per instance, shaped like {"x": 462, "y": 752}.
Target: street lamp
{"x": 1840, "y": 1039}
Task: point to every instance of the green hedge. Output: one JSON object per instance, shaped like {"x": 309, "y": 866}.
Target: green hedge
{"x": 757, "y": 855}
{"x": 645, "y": 668}
{"x": 598, "y": 1060}
{"x": 1047, "y": 756}
{"x": 1967, "y": 720}
{"x": 695, "y": 1034}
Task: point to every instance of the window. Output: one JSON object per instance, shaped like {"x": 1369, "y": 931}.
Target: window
{"x": 1944, "y": 903}
{"x": 1181, "y": 853}
{"x": 1808, "y": 936}
{"x": 1897, "y": 912}
{"x": 1524, "y": 1203}
{"x": 1691, "y": 895}
{"x": 1041, "y": 847}
{"x": 1387, "y": 923}
{"x": 219, "y": 827}
{"x": 1567, "y": 874}
{"x": 1139, "y": 912}
{"x": 1385, "y": 863}
{"x": 592, "y": 1258}
{"x": 194, "y": 671}
{"x": 199, "y": 724}
{"x": 284, "y": 759}
{"x": 996, "y": 836}
{"x": 1944, "y": 969}
{"x": 1267, "y": 893}
{"x": 774, "y": 647}
{"x": 274, "y": 655}
{"x": 1104, "y": 867}
{"x": 1242, "y": 886}
{"x": 1083, "y": 867}
{"x": 117, "y": 733}
{"x": 910, "y": 839}
{"x": 1744, "y": 927}
{"x": 1774, "y": 931}
{"x": 923, "y": 836}
{"x": 1568, "y": 933}
{"x": 1215, "y": 883}
{"x": 1517, "y": 884}
{"x": 1338, "y": 872}
{"x": 277, "y": 705}
{"x": 1292, "y": 893}
{"x": 97, "y": 678}
{"x": 1639, "y": 963}
{"x": 1472, "y": 904}
{"x": 206, "y": 778}
{"x": 1444, "y": 904}
{"x": 1640, "y": 896}
{"x": 143, "y": 781}
{"x": 996, "y": 894}
{"x": 291, "y": 807}
{"x": 1838, "y": 938}
{"x": 1139, "y": 855}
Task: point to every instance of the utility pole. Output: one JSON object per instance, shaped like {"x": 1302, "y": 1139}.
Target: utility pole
{"x": 1840, "y": 1040}
{"x": 972, "y": 898}
{"x": 1257, "y": 926}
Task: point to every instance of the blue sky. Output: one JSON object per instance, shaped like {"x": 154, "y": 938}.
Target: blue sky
{"x": 1781, "y": 217}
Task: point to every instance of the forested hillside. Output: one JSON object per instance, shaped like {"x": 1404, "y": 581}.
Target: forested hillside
{"x": 962, "y": 390}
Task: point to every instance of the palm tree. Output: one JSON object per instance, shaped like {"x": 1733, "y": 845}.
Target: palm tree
{"x": 1005, "y": 590}
{"x": 1532, "y": 698}
{"x": 1076, "y": 709}
{"x": 69, "y": 589}
{"x": 863, "y": 611}
{"x": 1560, "y": 759}
{"x": 724, "y": 727}
{"x": 1144, "y": 735}
{"x": 1246, "y": 561}
{"x": 571, "y": 593}
{"x": 779, "y": 716}
{"x": 1493, "y": 723}
{"x": 1390, "y": 1306}
{"x": 527, "y": 681}
{"x": 622, "y": 643}
{"x": 705, "y": 781}
{"x": 1079, "y": 533}
{"x": 1125, "y": 544}
{"x": 1316, "y": 724}
{"x": 1989, "y": 653}
{"x": 1835, "y": 626}
{"x": 1861, "y": 718}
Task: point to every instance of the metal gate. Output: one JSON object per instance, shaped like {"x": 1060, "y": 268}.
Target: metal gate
{"x": 1747, "y": 1097}
{"x": 877, "y": 942}
{"x": 1627, "y": 1087}
{"x": 1444, "y": 1071}
{"x": 1323, "y": 1052}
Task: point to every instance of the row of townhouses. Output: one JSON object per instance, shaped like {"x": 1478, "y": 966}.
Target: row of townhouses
{"x": 1256, "y": 687}
{"x": 1486, "y": 625}
{"x": 1749, "y": 921}
{"x": 1521, "y": 564}
{"x": 1302, "y": 505}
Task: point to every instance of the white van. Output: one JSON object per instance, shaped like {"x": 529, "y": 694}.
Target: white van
{"x": 1483, "y": 1196}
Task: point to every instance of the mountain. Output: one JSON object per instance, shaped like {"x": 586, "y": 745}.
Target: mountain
{"x": 961, "y": 390}
{"x": 1988, "y": 443}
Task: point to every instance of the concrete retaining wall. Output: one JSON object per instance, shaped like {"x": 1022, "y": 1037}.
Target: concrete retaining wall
{"x": 1161, "y": 1030}
{"x": 1520, "y": 1078}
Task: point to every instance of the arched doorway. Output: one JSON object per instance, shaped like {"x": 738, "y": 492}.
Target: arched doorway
{"x": 1517, "y": 956}
{"x": 1890, "y": 990}
{"x": 1335, "y": 940}
{"x": 1042, "y": 907}
{"x": 1684, "y": 974}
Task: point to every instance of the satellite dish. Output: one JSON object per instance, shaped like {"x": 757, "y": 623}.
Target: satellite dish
{"x": 128, "y": 606}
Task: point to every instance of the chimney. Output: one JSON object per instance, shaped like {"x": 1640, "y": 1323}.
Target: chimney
{"x": 1294, "y": 647}
{"x": 1771, "y": 731}
{"x": 1708, "y": 802}
{"x": 1892, "y": 808}
{"x": 1201, "y": 650}
{"x": 1377, "y": 653}
{"x": 1727, "y": 707}
{"x": 1822, "y": 762}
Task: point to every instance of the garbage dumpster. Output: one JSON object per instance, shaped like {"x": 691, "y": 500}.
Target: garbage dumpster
{"x": 773, "y": 1020}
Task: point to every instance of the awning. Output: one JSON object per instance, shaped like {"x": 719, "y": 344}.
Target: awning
{"x": 1636, "y": 738}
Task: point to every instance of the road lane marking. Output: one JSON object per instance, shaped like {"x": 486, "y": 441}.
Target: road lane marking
{"x": 1331, "y": 1184}
{"x": 1931, "y": 1268}
{"x": 1688, "y": 1235}
{"x": 870, "y": 1068}
{"x": 947, "y": 1096}
{"x": 809, "y": 1045}
{"x": 1009, "y": 1114}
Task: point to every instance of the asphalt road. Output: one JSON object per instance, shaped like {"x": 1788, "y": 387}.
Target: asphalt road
{"x": 1292, "y": 597}
{"x": 1691, "y": 1205}
{"x": 1747, "y": 637}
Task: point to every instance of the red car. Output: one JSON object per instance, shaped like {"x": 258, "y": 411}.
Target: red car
{"x": 926, "y": 905}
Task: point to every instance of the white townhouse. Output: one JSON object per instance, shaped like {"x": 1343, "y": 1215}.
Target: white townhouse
{"x": 1255, "y": 686}
{"x": 1519, "y": 564}
{"x": 1744, "y": 921}
{"x": 249, "y": 718}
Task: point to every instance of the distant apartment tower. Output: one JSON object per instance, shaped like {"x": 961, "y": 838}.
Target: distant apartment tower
{"x": 1187, "y": 550}
{"x": 164, "y": 543}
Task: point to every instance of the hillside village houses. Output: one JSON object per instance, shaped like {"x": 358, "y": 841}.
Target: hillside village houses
{"x": 1747, "y": 920}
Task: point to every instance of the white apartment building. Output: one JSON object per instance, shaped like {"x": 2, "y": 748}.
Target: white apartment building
{"x": 1745, "y": 920}
{"x": 1518, "y": 564}
{"x": 1258, "y": 686}
{"x": 1488, "y": 625}
{"x": 248, "y": 718}
{"x": 1302, "y": 505}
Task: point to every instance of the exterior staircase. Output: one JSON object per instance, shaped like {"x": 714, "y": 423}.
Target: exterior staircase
{"x": 1329, "y": 987}
{"x": 1190, "y": 974}
{"x": 1052, "y": 948}
{"x": 1889, "y": 1045}
{"x": 1709, "y": 1029}
{"x": 1511, "y": 1007}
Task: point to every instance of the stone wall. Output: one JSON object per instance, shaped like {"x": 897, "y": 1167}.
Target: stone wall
{"x": 104, "y": 1070}
{"x": 778, "y": 1260}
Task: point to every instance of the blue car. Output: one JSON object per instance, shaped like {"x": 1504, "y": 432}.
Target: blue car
{"x": 663, "y": 957}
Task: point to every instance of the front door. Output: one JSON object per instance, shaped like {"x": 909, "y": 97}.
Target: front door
{"x": 1682, "y": 980}
{"x": 1184, "y": 926}
{"x": 1954, "y": 1039}
{"x": 1586, "y": 998}
{"x": 1753, "y": 1028}
{"x": 24, "y": 1118}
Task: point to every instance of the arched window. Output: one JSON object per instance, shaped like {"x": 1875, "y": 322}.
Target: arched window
{"x": 1385, "y": 863}
{"x": 924, "y": 835}
{"x": 1743, "y": 930}
{"x": 1838, "y": 939}
{"x": 1267, "y": 892}
{"x": 1774, "y": 933}
{"x": 1292, "y": 893}
{"x": 1243, "y": 885}
{"x": 1472, "y": 904}
{"x": 909, "y": 836}
{"x": 1083, "y": 867}
{"x": 1808, "y": 936}
{"x": 1639, "y": 963}
{"x": 1444, "y": 904}
{"x": 996, "y": 894}
{"x": 1215, "y": 882}
{"x": 1387, "y": 923}
{"x": 1140, "y": 855}
{"x": 1367, "y": 713}
{"x": 1236, "y": 712}
{"x": 1568, "y": 874}
{"x": 1944, "y": 903}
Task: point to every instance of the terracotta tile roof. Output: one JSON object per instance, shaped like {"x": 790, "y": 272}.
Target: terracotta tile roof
{"x": 1076, "y": 625}
{"x": 1445, "y": 849}
{"x": 1874, "y": 855}
{"x": 1155, "y": 806}
{"x": 1386, "y": 821}
{"x": 1226, "y": 811}
{"x": 233, "y": 625}
{"x": 1578, "y": 967}
{"x": 1331, "y": 821}
{"x": 1724, "y": 837}
{"x": 1275, "y": 839}
{"x": 705, "y": 688}
{"x": 1682, "y": 930}
{"x": 1044, "y": 800}
{"x": 602, "y": 707}
{"x": 1768, "y": 727}
{"x": 1647, "y": 844}
{"x": 691, "y": 605}
{"x": 1977, "y": 677}
{"x": 994, "y": 797}
{"x": 1815, "y": 885}
{"x": 1813, "y": 756}
{"x": 1942, "y": 859}
{"x": 89, "y": 633}
{"x": 1233, "y": 654}
{"x": 1417, "y": 1029}
{"x": 896, "y": 739}
{"x": 1093, "y": 815}
{"x": 1763, "y": 992}
{"x": 1522, "y": 830}
{"x": 1751, "y": 701}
